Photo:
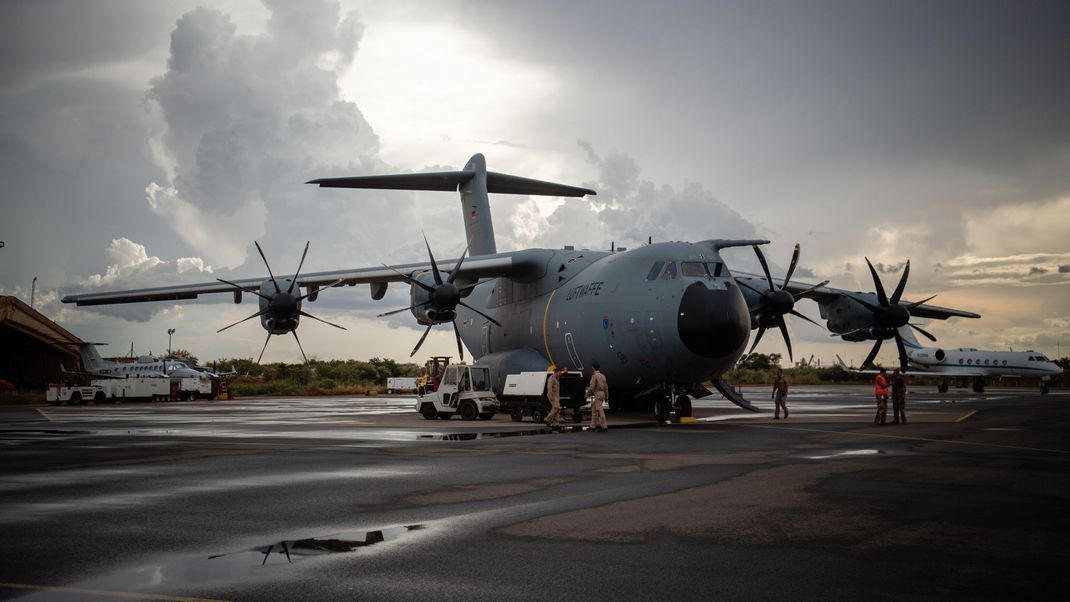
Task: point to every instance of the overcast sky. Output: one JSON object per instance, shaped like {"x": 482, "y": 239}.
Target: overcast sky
{"x": 149, "y": 143}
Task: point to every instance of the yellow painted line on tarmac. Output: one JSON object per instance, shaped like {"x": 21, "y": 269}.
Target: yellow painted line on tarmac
{"x": 901, "y": 437}
{"x": 42, "y": 412}
{"x": 104, "y": 593}
{"x": 960, "y": 419}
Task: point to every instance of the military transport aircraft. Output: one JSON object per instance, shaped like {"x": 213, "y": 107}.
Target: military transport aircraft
{"x": 660, "y": 319}
{"x": 967, "y": 363}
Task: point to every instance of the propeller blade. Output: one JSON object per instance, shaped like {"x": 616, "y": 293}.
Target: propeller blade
{"x": 813, "y": 288}
{"x": 881, "y": 296}
{"x": 787, "y": 339}
{"x": 308, "y": 315}
{"x": 496, "y": 323}
{"x": 902, "y": 352}
{"x": 294, "y": 332}
{"x": 757, "y": 338}
{"x": 411, "y": 280}
{"x": 268, "y": 266}
{"x": 872, "y": 353}
{"x": 468, "y": 287}
{"x": 434, "y": 266}
{"x": 298, "y": 272}
{"x": 922, "y": 302}
{"x": 266, "y": 341}
{"x": 923, "y": 331}
{"x": 417, "y": 347}
{"x": 457, "y": 268}
{"x": 745, "y": 285}
{"x": 398, "y": 311}
{"x": 457, "y": 333}
{"x": 765, "y": 267}
{"x": 901, "y": 286}
{"x": 331, "y": 285}
{"x": 248, "y": 290}
{"x": 863, "y": 303}
{"x": 256, "y": 315}
{"x": 791, "y": 267}
{"x": 803, "y": 316}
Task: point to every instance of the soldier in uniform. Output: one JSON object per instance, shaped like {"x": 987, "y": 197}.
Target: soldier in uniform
{"x": 880, "y": 390}
{"x": 899, "y": 397}
{"x": 553, "y": 394}
{"x": 600, "y": 390}
{"x": 780, "y": 394}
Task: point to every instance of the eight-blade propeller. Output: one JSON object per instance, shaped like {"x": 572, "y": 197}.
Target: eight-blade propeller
{"x": 888, "y": 316}
{"x": 282, "y": 307}
{"x": 444, "y": 297}
{"x": 776, "y": 302}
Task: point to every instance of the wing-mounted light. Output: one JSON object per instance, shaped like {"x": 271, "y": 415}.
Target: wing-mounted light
{"x": 435, "y": 298}
{"x": 776, "y": 302}
{"x": 888, "y": 315}
{"x": 280, "y": 308}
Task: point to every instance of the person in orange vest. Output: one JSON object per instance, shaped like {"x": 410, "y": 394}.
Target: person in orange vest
{"x": 880, "y": 389}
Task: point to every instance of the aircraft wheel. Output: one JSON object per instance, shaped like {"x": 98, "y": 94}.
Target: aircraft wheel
{"x": 683, "y": 406}
{"x": 517, "y": 415}
{"x": 429, "y": 412}
{"x": 469, "y": 411}
{"x": 978, "y": 387}
{"x": 536, "y": 415}
{"x": 661, "y": 408}
{"x": 1044, "y": 388}
{"x": 942, "y": 387}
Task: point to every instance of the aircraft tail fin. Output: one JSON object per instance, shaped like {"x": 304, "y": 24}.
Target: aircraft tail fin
{"x": 473, "y": 183}
{"x": 91, "y": 358}
{"x": 909, "y": 341}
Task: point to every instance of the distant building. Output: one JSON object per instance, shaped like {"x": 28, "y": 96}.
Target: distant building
{"x": 32, "y": 347}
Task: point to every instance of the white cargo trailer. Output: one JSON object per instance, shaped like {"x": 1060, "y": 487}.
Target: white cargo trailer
{"x": 400, "y": 383}
{"x": 111, "y": 390}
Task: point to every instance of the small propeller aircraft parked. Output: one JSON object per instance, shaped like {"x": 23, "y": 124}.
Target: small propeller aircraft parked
{"x": 660, "y": 319}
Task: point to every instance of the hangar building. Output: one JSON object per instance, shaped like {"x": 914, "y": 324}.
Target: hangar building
{"x": 32, "y": 347}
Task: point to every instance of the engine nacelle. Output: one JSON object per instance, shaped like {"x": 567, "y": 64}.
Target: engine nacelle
{"x": 928, "y": 357}
{"x": 281, "y": 309}
{"x": 427, "y": 307}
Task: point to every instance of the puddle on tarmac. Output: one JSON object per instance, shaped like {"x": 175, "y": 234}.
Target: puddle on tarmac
{"x": 473, "y": 436}
{"x": 848, "y": 453}
{"x": 1005, "y": 428}
{"x": 242, "y": 564}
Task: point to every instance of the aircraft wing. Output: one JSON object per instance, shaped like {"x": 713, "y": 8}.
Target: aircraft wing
{"x": 828, "y": 294}
{"x": 489, "y": 266}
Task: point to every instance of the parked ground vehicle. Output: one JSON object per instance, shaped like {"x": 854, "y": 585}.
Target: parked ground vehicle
{"x": 194, "y": 387}
{"x": 112, "y": 390}
{"x": 431, "y": 373}
{"x": 525, "y": 395}
{"x": 400, "y": 383}
{"x": 463, "y": 390}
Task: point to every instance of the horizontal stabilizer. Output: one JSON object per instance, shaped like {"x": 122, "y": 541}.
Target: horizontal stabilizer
{"x": 449, "y": 181}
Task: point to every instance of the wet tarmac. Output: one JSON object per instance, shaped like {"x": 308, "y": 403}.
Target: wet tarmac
{"x": 360, "y": 498}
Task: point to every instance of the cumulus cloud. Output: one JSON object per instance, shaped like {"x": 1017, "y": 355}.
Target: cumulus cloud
{"x": 248, "y": 118}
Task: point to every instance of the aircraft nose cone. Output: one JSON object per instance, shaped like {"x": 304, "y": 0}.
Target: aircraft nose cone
{"x": 713, "y": 323}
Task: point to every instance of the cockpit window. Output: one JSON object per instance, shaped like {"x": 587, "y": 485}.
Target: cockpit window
{"x": 670, "y": 271}
{"x": 693, "y": 269}
{"x": 715, "y": 268}
{"x": 655, "y": 270}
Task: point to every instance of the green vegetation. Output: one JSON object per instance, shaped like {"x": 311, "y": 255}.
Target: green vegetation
{"x": 330, "y": 377}
{"x": 760, "y": 369}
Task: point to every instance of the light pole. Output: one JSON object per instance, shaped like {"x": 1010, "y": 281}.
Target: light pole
{"x": 33, "y": 290}
{"x": 170, "y": 331}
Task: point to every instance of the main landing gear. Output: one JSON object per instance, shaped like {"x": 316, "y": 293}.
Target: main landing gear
{"x": 663, "y": 407}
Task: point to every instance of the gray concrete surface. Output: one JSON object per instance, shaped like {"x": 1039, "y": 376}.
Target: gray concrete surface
{"x": 196, "y": 500}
